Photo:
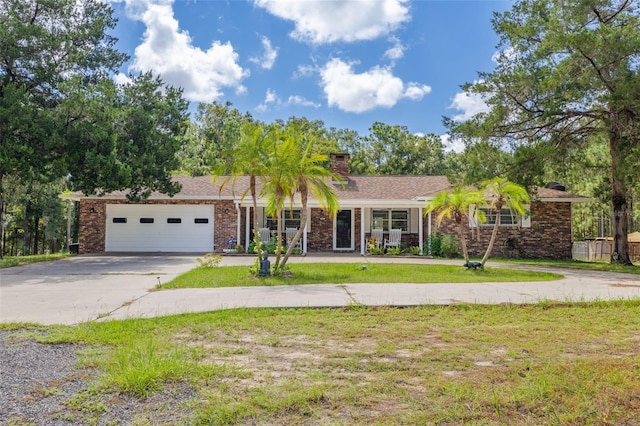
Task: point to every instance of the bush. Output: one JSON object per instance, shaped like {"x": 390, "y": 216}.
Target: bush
{"x": 269, "y": 246}
{"x": 433, "y": 246}
{"x": 449, "y": 246}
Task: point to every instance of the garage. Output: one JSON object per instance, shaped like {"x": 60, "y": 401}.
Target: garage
{"x": 159, "y": 228}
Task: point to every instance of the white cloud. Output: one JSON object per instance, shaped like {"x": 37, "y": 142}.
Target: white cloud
{"x": 396, "y": 51}
{"x": 169, "y": 52}
{"x": 267, "y": 60}
{"x": 271, "y": 97}
{"x": 304, "y": 71}
{"x": 301, "y": 101}
{"x": 375, "y": 88}
{"x": 469, "y": 103}
{"x": 318, "y": 21}
{"x": 449, "y": 144}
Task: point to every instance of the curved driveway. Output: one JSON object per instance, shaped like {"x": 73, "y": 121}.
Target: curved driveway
{"x": 87, "y": 288}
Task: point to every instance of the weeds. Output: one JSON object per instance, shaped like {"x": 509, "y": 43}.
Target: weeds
{"x": 574, "y": 363}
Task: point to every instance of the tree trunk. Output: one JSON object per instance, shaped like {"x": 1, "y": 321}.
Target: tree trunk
{"x": 463, "y": 240}
{"x": 256, "y": 231}
{"x": 303, "y": 225}
{"x": 620, "y": 223}
{"x": 26, "y": 236}
{"x": 494, "y": 234}
{"x": 278, "y": 198}
{"x": 36, "y": 235}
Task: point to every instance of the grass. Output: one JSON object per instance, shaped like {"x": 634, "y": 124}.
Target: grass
{"x": 10, "y": 261}
{"x": 549, "y": 363}
{"x": 340, "y": 273}
{"x": 573, "y": 264}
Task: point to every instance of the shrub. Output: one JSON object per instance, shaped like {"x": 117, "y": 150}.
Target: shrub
{"x": 433, "y": 246}
{"x": 449, "y": 246}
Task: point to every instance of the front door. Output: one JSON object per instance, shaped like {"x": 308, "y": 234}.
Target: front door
{"x": 343, "y": 231}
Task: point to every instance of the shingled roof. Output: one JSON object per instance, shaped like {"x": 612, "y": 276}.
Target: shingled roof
{"x": 357, "y": 188}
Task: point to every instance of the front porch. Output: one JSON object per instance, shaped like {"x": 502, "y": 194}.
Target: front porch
{"x": 348, "y": 232}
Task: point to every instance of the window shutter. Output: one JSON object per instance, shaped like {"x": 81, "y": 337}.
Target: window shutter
{"x": 414, "y": 216}
{"x": 473, "y": 220}
{"x": 526, "y": 219}
{"x": 367, "y": 219}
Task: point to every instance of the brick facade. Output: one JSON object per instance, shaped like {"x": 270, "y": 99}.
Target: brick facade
{"x": 549, "y": 236}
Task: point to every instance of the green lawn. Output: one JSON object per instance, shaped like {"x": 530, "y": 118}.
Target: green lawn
{"x": 551, "y": 364}
{"x": 339, "y": 273}
{"x": 574, "y": 264}
{"x": 10, "y": 261}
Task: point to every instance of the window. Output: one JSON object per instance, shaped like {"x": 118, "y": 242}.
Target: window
{"x": 390, "y": 219}
{"x": 119, "y": 220}
{"x": 506, "y": 217}
{"x": 146, "y": 220}
{"x": 201, "y": 220}
{"x": 174, "y": 220}
{"x": 291, "y": 219}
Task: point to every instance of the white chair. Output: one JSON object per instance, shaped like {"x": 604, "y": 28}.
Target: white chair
{"x": 394, "y": 238}
{"x": 265, "y": 235}
{"x": 290, "y": 234}
{"x": 377, "y": 234}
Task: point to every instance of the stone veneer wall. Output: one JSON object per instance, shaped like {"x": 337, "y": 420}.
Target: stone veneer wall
{"x": 550, "y": 235}
{"x": 93, "y": 217}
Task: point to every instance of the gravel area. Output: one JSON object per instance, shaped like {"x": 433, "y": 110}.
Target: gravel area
{"x": 43, "y": 384}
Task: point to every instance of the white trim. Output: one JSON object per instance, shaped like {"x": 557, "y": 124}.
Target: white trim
{"x": 362, "y": 231}
{"x": 247, "y": 225}
{"x": 420, "y": 230}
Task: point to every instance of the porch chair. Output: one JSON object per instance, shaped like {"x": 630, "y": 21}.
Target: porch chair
{"x": 265, "y": 235}
{"x": 378, "y": 235}
{"x": 394, "y": 238}
{"x": 290, "y": 234}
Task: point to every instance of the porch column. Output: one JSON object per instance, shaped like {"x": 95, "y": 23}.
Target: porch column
{"x": 362, "y": 242}
{"x": 420, "y": 230}
{"x": 238, "y": 223}
{"x": 247, "y": 229}
{"x": 306, "y": 230}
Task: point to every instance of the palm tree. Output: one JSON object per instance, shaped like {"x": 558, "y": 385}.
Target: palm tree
{"x": 455, "y": 205}
{"x": 279, "y": 184}
{"x": 250, "y": 157}
{"x": 502, "y": 193}
{"x": 309, "y": 176}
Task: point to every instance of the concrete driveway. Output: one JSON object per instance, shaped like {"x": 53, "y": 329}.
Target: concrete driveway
{"x": 88, "y": 288}
{"x": 82, "y": 288}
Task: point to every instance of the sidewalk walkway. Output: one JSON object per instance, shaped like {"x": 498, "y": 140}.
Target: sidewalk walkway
{"x": 126, "y": 294}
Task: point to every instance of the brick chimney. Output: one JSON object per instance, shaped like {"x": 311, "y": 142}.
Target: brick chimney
{"x": 340, "y": 165}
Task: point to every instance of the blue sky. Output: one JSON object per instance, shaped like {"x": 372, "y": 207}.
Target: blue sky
{"x": 348, "y": 63}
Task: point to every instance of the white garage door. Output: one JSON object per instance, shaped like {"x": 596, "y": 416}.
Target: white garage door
{"x": 159, "y": 228}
